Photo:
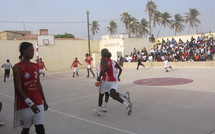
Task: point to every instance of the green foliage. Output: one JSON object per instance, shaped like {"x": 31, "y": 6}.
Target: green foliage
{"x": 66, "y": 35}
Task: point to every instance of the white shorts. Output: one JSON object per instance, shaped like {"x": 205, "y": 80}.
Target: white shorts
{"x": 88, "y": 66}
{"x": 25, "y": 118}
{"x": 106, "y": 86}
{"x": 41, "y": 71}
{"x": 75, "y": 69}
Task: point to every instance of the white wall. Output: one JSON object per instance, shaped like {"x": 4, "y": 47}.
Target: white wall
{"x": 57, "y": 57}
{"x": 114, "y": 46}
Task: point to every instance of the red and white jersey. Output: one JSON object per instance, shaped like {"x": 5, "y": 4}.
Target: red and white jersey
{"x": 88, "y": 60}
{"x": 40, "y": 65}
{"x": 115, "y": 69}
{"x": 75, "y": 63}
{"x": 29, "y": 85}
{"x": 110, "y": 74}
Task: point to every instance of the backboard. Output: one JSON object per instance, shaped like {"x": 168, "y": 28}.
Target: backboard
{"x": 45, "y": 40}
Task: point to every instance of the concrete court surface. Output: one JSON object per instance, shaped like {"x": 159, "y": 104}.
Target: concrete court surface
{"x": 176, "y": 109}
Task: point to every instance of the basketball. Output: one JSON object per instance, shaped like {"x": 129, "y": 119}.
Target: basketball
{"x": 97, "y": 84}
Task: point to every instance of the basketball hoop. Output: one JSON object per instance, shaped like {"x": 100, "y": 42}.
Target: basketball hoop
{"x": 45, "y": 40}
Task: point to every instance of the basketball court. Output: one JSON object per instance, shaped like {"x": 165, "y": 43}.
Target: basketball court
{"x": 180, "y": 101}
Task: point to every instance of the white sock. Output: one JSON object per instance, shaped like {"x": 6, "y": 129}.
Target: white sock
{"x": 105, "y": 104}
{"x": 125, "y": 103}
{"x": 99, "y": 108}
{"x": 122, "y": 95}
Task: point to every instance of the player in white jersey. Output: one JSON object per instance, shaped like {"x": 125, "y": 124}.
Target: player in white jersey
{"x": 7, "y": 66}
{"x": 166, "y": 65}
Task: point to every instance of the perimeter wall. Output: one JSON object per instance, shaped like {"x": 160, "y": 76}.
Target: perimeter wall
{"x": 61, "y": 55}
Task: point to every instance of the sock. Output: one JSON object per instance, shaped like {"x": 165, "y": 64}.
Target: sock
{"x": 122, "y": 95}
{"x": 100, "y": 108}
{"x": 105, "y": 104}
{"x": 125, "y": 103}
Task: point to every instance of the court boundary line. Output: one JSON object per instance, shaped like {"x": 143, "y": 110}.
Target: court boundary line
{"x": 92, "y": 122}
{"x": 79, "y": 118}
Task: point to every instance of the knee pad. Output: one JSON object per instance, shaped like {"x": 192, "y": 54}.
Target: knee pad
{"x": 40, "y": 129}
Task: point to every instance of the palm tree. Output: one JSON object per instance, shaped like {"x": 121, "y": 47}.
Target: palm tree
{"x": 191, "y": 18}
{"x": 156, "y": 18}
{"x": 133, "y": 25}
{"x": 177, "y": 24}
{"x": 94, "y": 27}
{"x": 150, "y": 8}
{"x": 165, "y": 21}
{"x": 143, "y": 27}
{"x": 126, "y": 18}
{"x": 112, "y": 28}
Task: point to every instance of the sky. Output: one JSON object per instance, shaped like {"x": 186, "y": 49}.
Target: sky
{"x": 61, "y": 16}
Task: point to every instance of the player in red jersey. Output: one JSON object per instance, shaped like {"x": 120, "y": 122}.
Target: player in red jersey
{"x": 30, "y": 102}
{"x": 88, "y": 60}
{"x": 109, "y": 83}
{"x": 75, "y": 66}
{"x": 41, "y": 66}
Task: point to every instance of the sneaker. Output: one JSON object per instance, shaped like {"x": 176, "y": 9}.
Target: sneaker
{"x": 98, "y": 111}
{"x": 128, "y": 96}
{"x": 104, "y": 108}
{"x": 170, "y": 67}
{"x": 2, "y": 124}
{"x": 129, "y": 109}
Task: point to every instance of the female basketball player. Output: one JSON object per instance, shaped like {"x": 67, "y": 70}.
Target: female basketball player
{"x": 75, "y": 66}
{"x": 109, "y": 81}
{"x": 30, "y": 101}
{"x": 88, "y": 60}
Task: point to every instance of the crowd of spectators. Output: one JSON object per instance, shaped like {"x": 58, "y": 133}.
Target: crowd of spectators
{"x": 196, "y": 49}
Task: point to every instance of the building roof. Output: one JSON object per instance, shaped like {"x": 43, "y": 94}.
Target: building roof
{"x": 17, "y": 32}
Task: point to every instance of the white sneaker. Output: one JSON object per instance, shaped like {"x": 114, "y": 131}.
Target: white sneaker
{"x": 104, "y": 108}
{"x": 98, "y": 111}
{"x": 128, "y": 96}
{"x": 2, "y": 124}
{"x": 129, "y": 109}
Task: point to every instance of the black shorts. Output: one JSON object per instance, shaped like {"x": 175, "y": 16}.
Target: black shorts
{"x": 7, "y": 72}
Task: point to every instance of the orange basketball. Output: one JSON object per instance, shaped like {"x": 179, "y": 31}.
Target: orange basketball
{"x": 97, "y": 84}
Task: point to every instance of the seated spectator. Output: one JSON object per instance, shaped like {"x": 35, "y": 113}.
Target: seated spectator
{"x": 158, "y": 42}
{"x": 210, "y": 37}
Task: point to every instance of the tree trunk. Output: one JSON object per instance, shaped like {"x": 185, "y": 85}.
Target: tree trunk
{"x": 150, "y": 21}
{"x": 189, "y": 29}
{"x": 159, "y": 31}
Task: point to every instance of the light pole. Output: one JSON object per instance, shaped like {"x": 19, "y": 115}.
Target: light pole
{"x": 88, "y": 30}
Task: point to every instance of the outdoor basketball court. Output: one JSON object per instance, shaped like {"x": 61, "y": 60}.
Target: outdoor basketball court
{"x": 181, "y": 101}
